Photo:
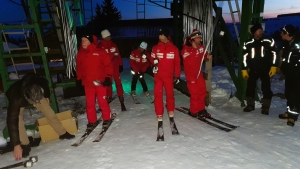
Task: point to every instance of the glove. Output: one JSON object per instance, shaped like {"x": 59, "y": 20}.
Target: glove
{"x": 107, "y": 82}
{"x": 245, "y": 74}
{"x": 155, "y": 69}
{"x": 120, "y": 68}
{"x": 155, "y": 61}
{"x": 176, "y": 80}
{"x": 272, "y": 71}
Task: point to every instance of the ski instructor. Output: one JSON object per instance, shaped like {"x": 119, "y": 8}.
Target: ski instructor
{"x": 95, "y": 69}
{"x": 112, "y": 50}
{"x": 139, "y": 64}
{"x": 193, "y": 55}
{"x": 30, "y": 90}
{"x": 166, "y": 69}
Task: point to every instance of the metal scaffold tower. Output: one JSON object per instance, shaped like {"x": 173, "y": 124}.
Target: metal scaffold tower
{"x": 251, "y": 13}
{"x": 141, "y": 15}
{"x": 87, "y": 8}
{"x": 50, "y": 36}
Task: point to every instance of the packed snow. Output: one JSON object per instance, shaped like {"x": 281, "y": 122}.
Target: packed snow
{"x": 261, "y": 141}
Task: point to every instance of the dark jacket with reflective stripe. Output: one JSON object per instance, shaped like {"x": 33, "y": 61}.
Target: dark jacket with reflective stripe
{"x": 291, "y": 57}
{"x": 259, "y": 55}
{"x": 16, "y": 98}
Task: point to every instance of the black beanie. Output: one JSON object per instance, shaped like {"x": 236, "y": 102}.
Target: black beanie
{"x": 255, "y": 27}
{"x": 289, "y": 29}
{"x": 89, "y": 37}
{"x": 163, "y": 31}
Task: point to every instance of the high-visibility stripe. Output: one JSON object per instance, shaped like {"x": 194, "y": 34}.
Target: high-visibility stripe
{"x": 289, "y": 57}
{"x": 274, "y": 57}
{"x": 290, "y": 111}
{"x": 245, "y": 59}
{"x": 252, "y": 53}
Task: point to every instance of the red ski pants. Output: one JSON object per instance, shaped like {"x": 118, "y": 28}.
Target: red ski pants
{"x": 117, "y": 79}
{"x": 167, "y": 84}
{"x": 197, "y": 91}
{"x": 91, "y": 93}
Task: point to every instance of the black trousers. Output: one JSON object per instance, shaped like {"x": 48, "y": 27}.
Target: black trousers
{"x": 265, "y": 84}
{"x": 141, "y": 78}
{"x": 292, "y": 91}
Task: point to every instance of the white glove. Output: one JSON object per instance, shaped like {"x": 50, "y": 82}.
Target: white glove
{"x": 97, "y": 82}
{"x": 176, "y": 80}
{"x": 155, "y": 61}
{"x": 155, "y": 69}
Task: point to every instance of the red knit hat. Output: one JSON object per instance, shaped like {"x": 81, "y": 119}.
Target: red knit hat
{"x": 195, "y": 34}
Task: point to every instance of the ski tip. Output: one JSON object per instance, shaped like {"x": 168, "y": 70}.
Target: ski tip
{"x": 75, "y": 145}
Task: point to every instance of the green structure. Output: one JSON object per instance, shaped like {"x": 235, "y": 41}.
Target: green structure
{"x": 250, "y": 14}
{"x": 50, "y": 36}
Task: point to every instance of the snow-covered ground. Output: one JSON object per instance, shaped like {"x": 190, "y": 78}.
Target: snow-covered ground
{"x": 261, "y": 142}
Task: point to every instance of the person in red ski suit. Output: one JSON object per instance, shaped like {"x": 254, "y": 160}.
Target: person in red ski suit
{"x": 139, "y": 62}
{"x": 95, "y": 69}
{"x": 193, "y": 56}
{"x": 115, "y": 57}
{"x": 166, "y": 69}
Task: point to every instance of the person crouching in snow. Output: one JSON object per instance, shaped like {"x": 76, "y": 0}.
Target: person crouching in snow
{"x": 193, "y": 56}
{"x": 166, "y": 69}
{"x": 111, "y": 48}
{"x": 95, "y": 69}
{"x": 139, "y": 64}
{"x": 30, "y": 90}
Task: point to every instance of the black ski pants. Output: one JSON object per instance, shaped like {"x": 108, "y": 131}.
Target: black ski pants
{"x": 292, "y": 91}
{"x": 265, "y": 84}
{"x": 140, "y": 77}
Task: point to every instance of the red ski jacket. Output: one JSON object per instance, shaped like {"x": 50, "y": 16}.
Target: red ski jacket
{"x": 93, "y": 64}
{"x": 192, "y": 58}
{"x": 168, "y": 59}
{"x": 112, "y": 50}
{"x": 137, "y": 62}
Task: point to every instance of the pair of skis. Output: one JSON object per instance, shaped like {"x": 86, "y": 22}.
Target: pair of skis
{"x": 137, "y": 102}
{"x": 208, "y": 120}
{"x": 87, "y": 133}
{"x": 99, "y": 136}
{"x": 160, "y": 130}
{"x": 27, "y": 163}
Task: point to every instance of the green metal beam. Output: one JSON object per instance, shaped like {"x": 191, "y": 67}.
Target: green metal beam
{"x": 34, "y": 4}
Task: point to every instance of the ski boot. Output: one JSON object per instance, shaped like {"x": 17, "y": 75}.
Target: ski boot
{"x": 132, "y": 93}
{"x": 160, "y": 131}
{"x": 283, "y": 115}
{"x": 203, "y": 114}
{"x": 147, "y": 93}
{"x": 108, "y": 99}
{"x": 106, "y": 123}
{"x": 121, "y": 99}
{"x": 250, "y": 105}
{"x": 26, "y": 150}
{"x": 265, "y": 106}
{"x": 292, "y": 119}
{"x": 90, "y": 126}
{"x": 66, "y": 136}
{"x": 192, "y": 114}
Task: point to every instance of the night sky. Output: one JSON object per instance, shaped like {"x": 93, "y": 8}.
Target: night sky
{"x": 13, "y": 13}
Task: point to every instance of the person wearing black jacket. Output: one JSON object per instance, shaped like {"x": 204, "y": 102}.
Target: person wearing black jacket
{"x": 290, "y": 67}
{"x": 30, "y": 90}
{"x": 259, "y": 62}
